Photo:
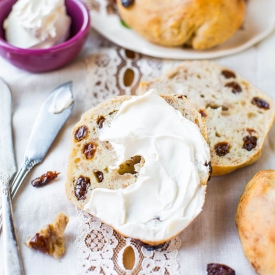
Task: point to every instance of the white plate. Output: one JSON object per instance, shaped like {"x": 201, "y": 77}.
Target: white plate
{"x": 259, "y": 23}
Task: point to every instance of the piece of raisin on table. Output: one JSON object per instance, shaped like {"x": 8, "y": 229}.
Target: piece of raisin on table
{"x": 219, "y": 269}
{"x": 249, "y": 142}
{"x": 44, "y": 179}
{"x": 260, "y": 103}
{"x": 236, "y": 88}
{"x": 222, "y": 148}
{"x": 81, "y": 188}
{"x": 50, "y": 239}
{"x": 81, "y": 133}
{"x": 228, "y": 74}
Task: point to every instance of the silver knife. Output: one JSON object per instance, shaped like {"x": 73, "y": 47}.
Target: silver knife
{"x": 12, "y": 260}
{"x": 52, "y": 116}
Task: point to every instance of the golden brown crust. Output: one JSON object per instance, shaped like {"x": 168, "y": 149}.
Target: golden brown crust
{"x": 104, "y": 156}
{"x": 201, "y": 24}
{"x": 255, "y": 221}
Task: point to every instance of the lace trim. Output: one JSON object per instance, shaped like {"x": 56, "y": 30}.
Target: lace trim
{"x": 100, "y": 250}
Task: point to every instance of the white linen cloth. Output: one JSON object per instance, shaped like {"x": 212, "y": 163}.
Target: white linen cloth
{"x": 212, "y": 237}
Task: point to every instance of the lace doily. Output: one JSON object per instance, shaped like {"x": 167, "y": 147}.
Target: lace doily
{"x": 101, "y": 250}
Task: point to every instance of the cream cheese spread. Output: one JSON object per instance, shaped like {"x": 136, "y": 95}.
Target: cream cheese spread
{"x": 37, "y": 23}
{"x": 167, "y": 194}
{"x": 63, "y": 99}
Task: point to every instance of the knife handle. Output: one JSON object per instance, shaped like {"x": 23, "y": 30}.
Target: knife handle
{"x": 18, "y": 180}
{"x": 12, "y": 260}
{"x": 21, "y": 174}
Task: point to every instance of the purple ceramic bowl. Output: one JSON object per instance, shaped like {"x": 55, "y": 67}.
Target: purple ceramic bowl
{"x": 42, "y": 60}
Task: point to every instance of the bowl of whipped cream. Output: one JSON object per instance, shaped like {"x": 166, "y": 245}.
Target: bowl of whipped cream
{"x": 42, "y": 35}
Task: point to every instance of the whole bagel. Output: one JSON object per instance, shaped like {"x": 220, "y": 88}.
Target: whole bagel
{"x": 201, "y": 24}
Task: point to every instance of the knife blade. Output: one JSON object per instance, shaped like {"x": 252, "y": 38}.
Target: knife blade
{"x": 46, "y": 127}
{"x": 12, "y": 259}
{"x": 51, "y": 118}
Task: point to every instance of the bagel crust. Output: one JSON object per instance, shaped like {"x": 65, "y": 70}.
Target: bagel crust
{"x": 201, "y": 24}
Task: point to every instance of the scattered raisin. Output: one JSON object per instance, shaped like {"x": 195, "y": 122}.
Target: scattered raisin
{"x": 222, "y": 148}
{"x": 228, "y": 74}
{"x": 81, "y": 187}
{"x": 249, "y": 142}
{"x": 81, "y": 133}
{"x": 40, "y": 243}
{"x": 261, "y": 103}
{"x": 127, "y": 3}
{"x": 219, "y": 269}
{"x": 99, "y": 176}
{"x": 100, "y": 121}
{"x": 203, "y": 114}
{"x": 236, "y": 88}
{"x": 44, "y": 179}
{"x": 89, "y": 150}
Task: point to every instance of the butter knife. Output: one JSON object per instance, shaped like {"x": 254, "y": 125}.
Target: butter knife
{"x": 52, "y": 116}
{"x": 12, "y": 260}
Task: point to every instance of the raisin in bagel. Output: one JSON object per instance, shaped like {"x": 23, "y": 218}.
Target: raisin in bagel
{"x": 238, "y": 115}
{"x": 201, "y": 24}
{"x": 255, "y": 221}
{"x": 93, "y": 177}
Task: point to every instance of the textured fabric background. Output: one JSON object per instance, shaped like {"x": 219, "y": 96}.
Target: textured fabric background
{"x": 212, "y": 237}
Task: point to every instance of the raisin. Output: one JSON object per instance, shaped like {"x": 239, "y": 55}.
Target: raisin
{"x": 222, "y": 148}
{"x": 100, "y": 121}
{"x": 81, "y": 187}
{"x": 40, "y": 243}
{"x": 249, "y": 142}
{"x": 236, "y": 88}
{"x": 44, "y": 179}
{"x": 219, "y": 269}
{"x": 127, "y": 3}
{"x": 228, "y": 74}
{"x": 261, "y": 103}
{"x": 89, "y": 150}
{"x": 81, "y": 133}
{"x": 129, "y": 166}
{"x": 99, "y": 176}
{"x": 203, "y": 114}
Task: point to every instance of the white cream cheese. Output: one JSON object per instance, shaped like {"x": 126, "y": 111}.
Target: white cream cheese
{"x": 167, "y": 195}
{"x": 37, "y": 23}
{"x": 62, "y": 99}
